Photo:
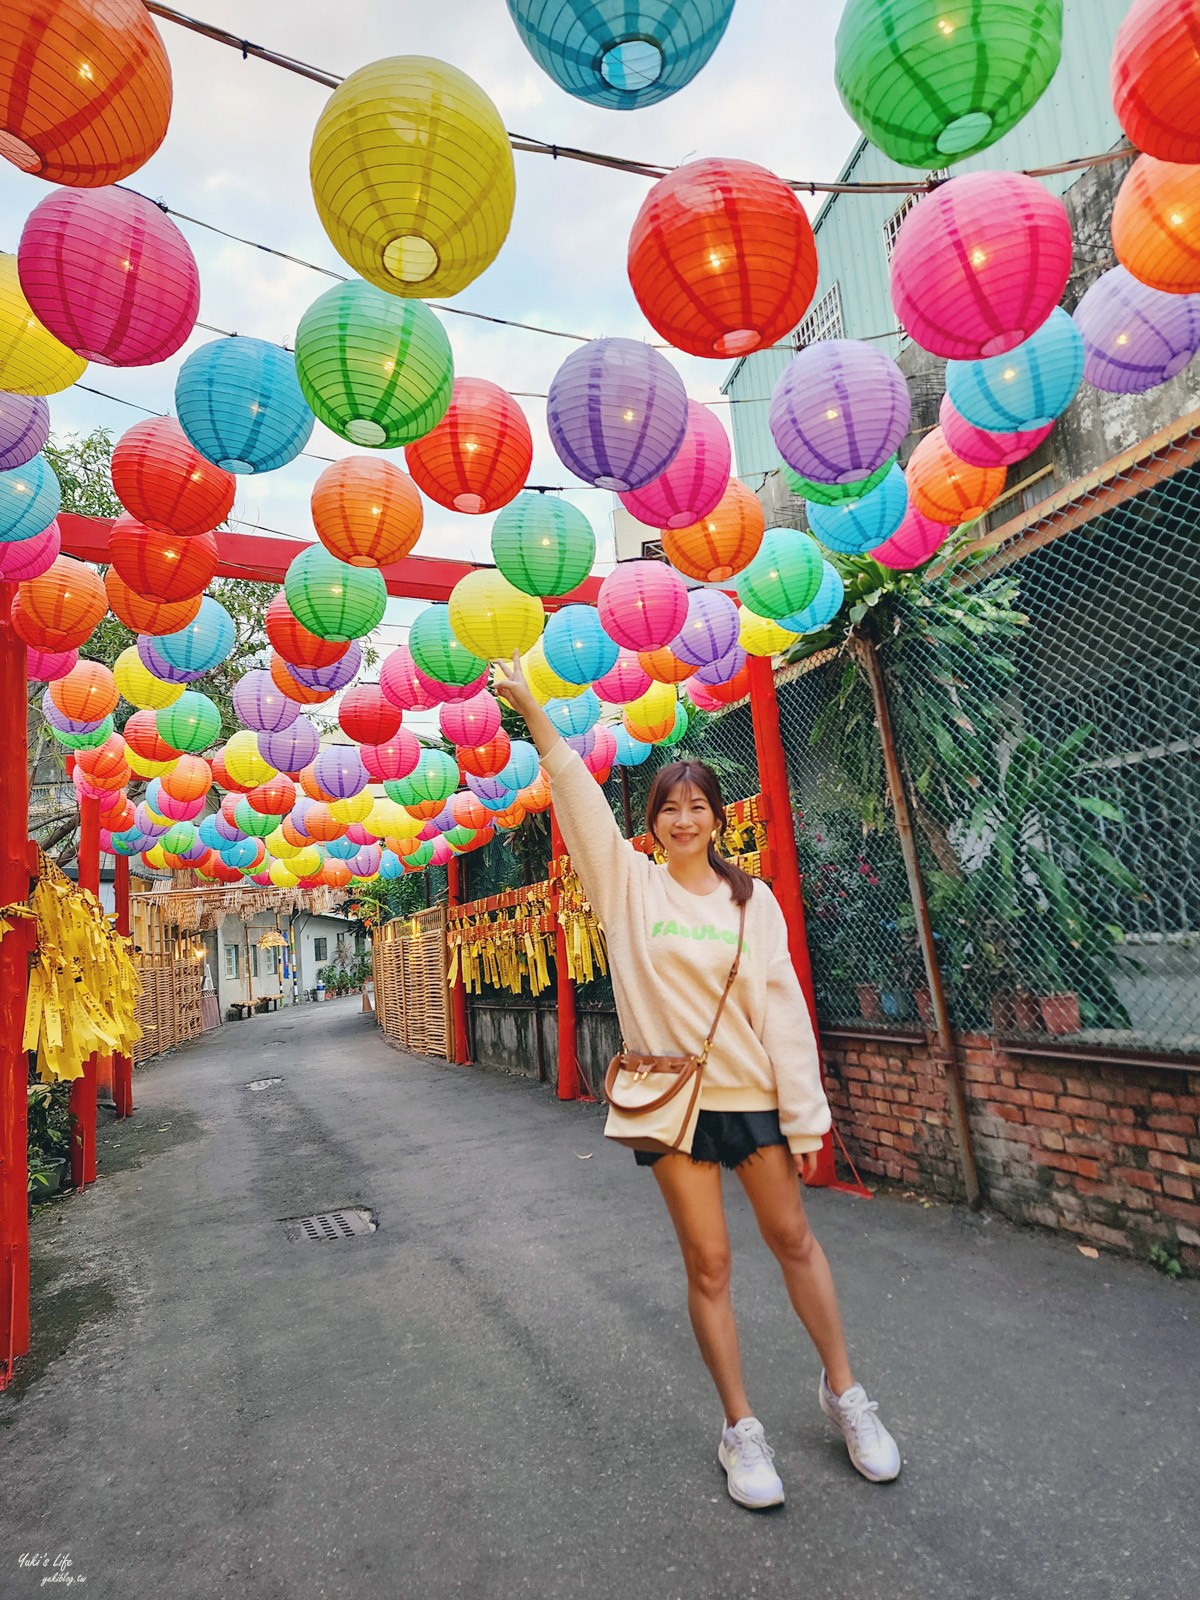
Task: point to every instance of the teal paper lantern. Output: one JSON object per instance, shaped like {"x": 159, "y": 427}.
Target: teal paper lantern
{"x": 834, "y": 494}
{"x": 204, "y": 643}
{"x": 783, "y": 577}
{"x": 824, "y": 605}
{"x": 240, "y": 405}
{"x": 860, "y": 525}
{"x": 521, "y": 768}
{"x": 1025, "y": 388}
{"x": 376, "y": 369}
{"x": 331, "y": 598}
{"x": 30, "y": 499}
{"x": 631, "y": 752}
{"x": 576, "y": 646}
{"x": 390, "y": 866}
{"x": 543, "y": 545}
{"x": 190, "y": 724}
{"x": 575, "y": 716}
{"x": 435, "y": 648}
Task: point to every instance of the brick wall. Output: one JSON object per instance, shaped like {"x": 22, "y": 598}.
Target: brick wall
{"x": 1107, "y": 1153}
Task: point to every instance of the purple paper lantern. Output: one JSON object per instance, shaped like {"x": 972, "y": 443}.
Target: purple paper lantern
{"x": 229, "y": 831}
{"x": 366, "y": 863}
{"x": 161, "y": 668}
{"x": 339, "y": 770}
{"x": 64, "y": 724}
{"x": 979, "y": 448}
{"x": 617, "y": 412}
{"x": 710, "y": 631}
{"x": 722, "y": 670}
{"x": 496, "y": 796}
{"x": 290, "y": 749}
{"x": 333, "y": 677}
{"x": 694, "y": 483}
{"x": 840, "y": 409}
{"x": 916, "y": 539}
{"x": 1135, "y": 337}
{"x": 29, "y": 558}
{"x": 145, "y": 823}
{"x": 24, "y": 428}
{"x": 47, "y": 666}
{"x": 261, "y": 705}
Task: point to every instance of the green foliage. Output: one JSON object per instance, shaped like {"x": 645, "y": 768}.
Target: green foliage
{"x": 49, "y": 1129}
{"x": 81, "y": 464}
{"x": 1166, "y": 1259}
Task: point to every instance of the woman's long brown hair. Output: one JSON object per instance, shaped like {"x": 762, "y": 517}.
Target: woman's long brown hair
{"x": 694, "y": 774}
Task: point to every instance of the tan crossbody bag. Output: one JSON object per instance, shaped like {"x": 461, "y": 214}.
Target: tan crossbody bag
{"x": 646, "y": 1105}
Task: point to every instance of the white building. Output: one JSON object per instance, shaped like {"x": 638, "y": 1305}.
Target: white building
{"x": 246, "y": 965}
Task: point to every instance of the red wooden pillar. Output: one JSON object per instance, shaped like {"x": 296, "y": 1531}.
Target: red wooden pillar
{"x": 122, "y": 1064}
{"x": 83, "y": 1090}
{"x": 785, "y": 863}
{"x": 458, "y": 994}
{"x": 568, "y": 1056}
{"x": 14, "y": 969}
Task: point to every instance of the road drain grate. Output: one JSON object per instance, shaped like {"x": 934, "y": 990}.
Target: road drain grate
{"x": 329, "y": 1225}
{"x": 264, "y": 1083}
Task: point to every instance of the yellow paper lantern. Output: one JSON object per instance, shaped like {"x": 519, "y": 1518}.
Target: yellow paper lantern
{"x": 492, "y": 618}
{"x": 760, "y": 636}
{"x": 139, "y": 686}
{"x": 652, "y": 710}
{"x": 154, "y": 857}
{"x": 32, "y": 361}
{"x": 412, "y": 175}
{"x": 280, "y": 846}
{"x": 243, "y": 762}
{"x": 305, "y": 862}
{"x": 357, "y": 809}
{"x": 388, "y": 820}
{"x": 281, "y": 874}
{"x": 543, "y": 680}
{"x": 147, "y": 769}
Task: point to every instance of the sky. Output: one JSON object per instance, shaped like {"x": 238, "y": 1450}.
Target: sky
{"x": 236, "y": 155}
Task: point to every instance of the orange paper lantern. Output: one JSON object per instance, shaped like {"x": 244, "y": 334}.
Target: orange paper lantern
{"x": 293, "y": 688}
{"x": 663, "y": 666}
{"x": 190, "y": 777}
{"x": 104, "y": 765}
{"x": 335, "y": 874}
{"x": 87, "y": 694}
{"x": 321, "y": 824}
{"x": 478, "y": 457}
{"x": 947, "y": 489}
{"x": 144, "y": 613}
{"x": 366, "y": 511}
{"x": 162, "y": 479}
{"x": 163, "y": 566}
{"x": 1156, "y": 225}
{"x": 1156, "y": 78}
{"x": 59, "y": 610}
{"x": 485, "y": 760}
{"x": 721, "y": 543}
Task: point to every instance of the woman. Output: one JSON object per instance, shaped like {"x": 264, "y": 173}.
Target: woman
{"x": 672, "y": 933}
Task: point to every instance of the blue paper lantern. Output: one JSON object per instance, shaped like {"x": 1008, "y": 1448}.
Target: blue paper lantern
{"x": 822, "y": 608}
{"x": 389, "y": 866}
{"x": 576, "y": 647}
{"x": 861, "y": 525}
{"x": 341, "y": 849}
{"x": 204, "y": 643}
{"x": 211, "y": 834}
{"x": 239, "y": 853}
{"x": 1028, "y": 387}
{"x": 521, "y": 768}
{"x": 631, "y": 752}
{"x": 621, "y": 54}
{"x": 130, "y": 842}
{"x": 239, "y": 402}
{"x": 30, "y": 499}
{"x": 576, "y": 715}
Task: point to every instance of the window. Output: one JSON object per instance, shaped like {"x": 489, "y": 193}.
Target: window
{"x": 891, "y": 228}
{"x": 320, "y": 949}
{"x": 272, "y": 961}
{"x": 254, "y": 961}
{"x": 232, "y": 963}
{"x": 824, "y": 321}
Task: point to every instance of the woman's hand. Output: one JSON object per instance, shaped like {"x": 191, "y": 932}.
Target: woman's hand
{"x": 806, "y": 1165}
{"x": 513, "y": 687}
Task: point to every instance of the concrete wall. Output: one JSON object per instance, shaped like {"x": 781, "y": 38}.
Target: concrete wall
{"x": 503, "y": 1035}
{"x": 289, "y": 985}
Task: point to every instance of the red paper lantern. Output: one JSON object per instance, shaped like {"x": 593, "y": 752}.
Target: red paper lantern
{"x": 478, "y": 457}
{"x": 721, "y": 543}
{"x": 1156, "y": 78}
{"x": 275, "y": 798}
{"x": 59, "y": 610}
{"x": 85, "y": 89}
{"x": 367, "y": 716}
{"x": 664, "y": 666}
{"x": 189, "y": 779}
{"x": 366, "y": 511}
{"x": 143, "y": 738}
{"x": 722, "y": 258}
{"x": 104, "y": 765}
{"x": 162, "y": 479}
{"x": 485, "y": 760}
{"x": 947, "y": 489}
{"x": 293, "y": 641}
{"x": 144, "y": 613}
{"x": 735, "y": 688}
{"x": 164, "y": 566}
{"x": 1156, "y": 225}
{"x": 121, "y": 816}
{"x": 87, "y": 694}
{"x": 393, "y": 759}
{"x": 291, "y": 687}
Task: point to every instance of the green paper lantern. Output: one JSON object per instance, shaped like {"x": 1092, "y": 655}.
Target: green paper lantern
{"x": 375, "y": 369}
{"x": 543, "y": 545}
{"x": 83, "y": 741}
{"x": 680, "y": 728}
{"x": 256, "y": 823}
{"x": 834, "y": 494}
{"x": 932, "y": 81}
{"x": 331, "y": 598}
{"x": 435, "y": 777}
{"x": 191, "y": 724}
{"x": 435, "y": 648}
{"x": 421, "y": 856}
{"x": 459, "y": 836}
{"x": 783, "y": 577}
{"x": 179, "y": 840}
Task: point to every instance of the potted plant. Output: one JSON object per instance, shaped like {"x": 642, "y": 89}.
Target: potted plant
{"x": 49, "y": 1137}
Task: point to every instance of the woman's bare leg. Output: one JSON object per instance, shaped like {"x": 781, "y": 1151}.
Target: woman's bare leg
{"x": 769, "y": 1178}
{"x": 692, "y": 1191}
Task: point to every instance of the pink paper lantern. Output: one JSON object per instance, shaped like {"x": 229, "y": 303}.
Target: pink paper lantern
{"x": 913, "y": 543}
{"x": 47, "y": 666}
{"x": 642, "y": 604}
{"x": 623, "y": 682}
{"x": 110, "y": 275}
{"x": 394, "y": 760}
{"x": 179, "y": 810}
{"x": 440, "y": 694}
{"x": 979, "y": 448}
{"x": 603, "y": 752}
{"x": 471, "y": 722}
{"x": 693, "y": 484}
{"x": 402, "y": 683}
{"x": 29, "y": 558}
{"x": 443, "y": 852}
{"x": 698, "y": 694}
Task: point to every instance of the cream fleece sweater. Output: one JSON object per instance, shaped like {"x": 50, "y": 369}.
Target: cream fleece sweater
{"x": 670, "y": 952}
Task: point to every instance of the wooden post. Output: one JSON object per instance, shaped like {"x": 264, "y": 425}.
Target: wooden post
{"x": 458, "y": 993}
{"x": 568, "y": 1057}
{"x": 122, "y": 1064}
{"x": 83, "y": 1090}
{"x": 625, "y": 806}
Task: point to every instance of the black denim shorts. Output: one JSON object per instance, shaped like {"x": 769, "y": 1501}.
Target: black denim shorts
{"x": 729, "y": 1137}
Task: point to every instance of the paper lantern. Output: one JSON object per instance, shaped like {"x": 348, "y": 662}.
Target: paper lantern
{"x": 32, "y": 360}
{"x": 191, "y": 724}
{"x": 491, "y": 617}
{"x": 617, "y": 413}
{"x": 296, "y": 644}
{"x": 110, "y": 275}
{"x": 162, "y": 566}
{"x": 1134, "y": 337}
{"x": 630, "y": 752}
{"x": 412, "y": 175}
{"x": 259, "y": 704}
{"x": 145, "y": 613}
{"x": 275, "y": 798}
{"x": 652, "y": 709}
{"x": 289, "y": 749}
{"x": 701, "y": 697}
{"x": 931, "y": 83}
{"x": 621, "y": 54}
{"x": 576, "y": 646}
{"x": 189, "y": 779}
{"x": 914, "y": 543}
{"x": 642, "y": 604}
{"x": 478, "y": 456}
{"x": 575, "y": 717}
{"x": 24, "y": 429}
{"x": 722, "y": 258}
{"x": 710, "y": 629}
{"x": 980, "y": 264}
{"x": 142, "y": 737}
{"x": 340, "y": 772}
{"x": 650, "y": 732}
{"x": 399, "y": 681}
{"x": 839, "y": 410}
{"x": 723, "y": 668}
{"x": 485, "y": 760}
{"x": 366, "y": 512}
{"x": 335, "y": 676}
{"x": 150, "y": 658}
{"x": 624, "y": 681}
{"x": 367, "y": 716}
{"x": 388, "y": 820}
{"x": 82, "y": 741}
{"x": 60, "y": 720}
{"x": 984, "y": 449}
{"x": 29, "y": 500}
{"x": 60, "y": 609}
{"x": 205, "y": 641}
{"x": 29, "y": 558}
{"x": 471, "y": 722}
{"x": 290, "y": 686}
{"x": 535, "y": 796}
{"x": 239, "y": 403}
{"x": 521, "y": 768}
{"x": 1026, "y": 388}
{"x": 435, "y": 777}
{"x": 693, "y": 485}
{"x": 728, "y": 693}
{"x": 1155, "y": 78}
{"x": 257, "y": 824}
{"x": 164, "y": 482}
{"x": 438, "y": 652}
{"x": 543, "y": 545}
{"x": 822, "y": 608}
{"x": 834, "y": 494}
{"x": 243, "y": 761}
{"x": 45, "y": 666}
{"x": 85, "y": 89}
{"x": 677, "y": 729}
{"x": 859, "y": 525}
{"x": 1156, "y": 225}
{"x": 87, "y": 693}
{"x": 783, "y": 577}
{"x": 664, "y": 666}
{"x": 331, "y": 598}
{"x": 721, "y": 543}
{"x": 947, "y": 489}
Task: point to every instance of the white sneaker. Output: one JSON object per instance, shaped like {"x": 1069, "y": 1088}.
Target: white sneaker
{"x": 747, "y": 1457}
{"x": 872, "y": 1449}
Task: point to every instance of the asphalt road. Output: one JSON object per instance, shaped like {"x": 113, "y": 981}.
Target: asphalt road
{"x": 496, "y": 1393}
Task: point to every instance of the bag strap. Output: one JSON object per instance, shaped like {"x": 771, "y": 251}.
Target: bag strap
{"x": 733, "y": 972}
